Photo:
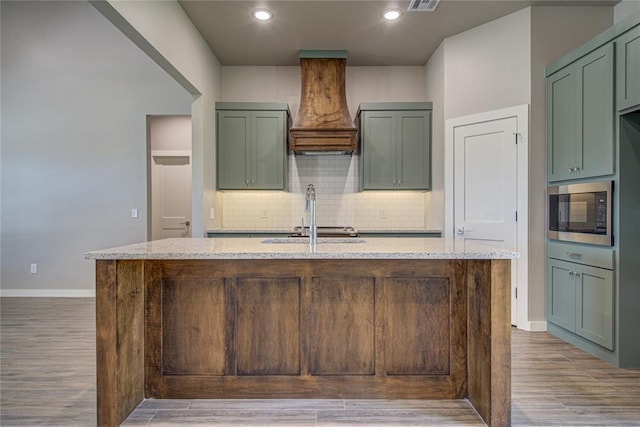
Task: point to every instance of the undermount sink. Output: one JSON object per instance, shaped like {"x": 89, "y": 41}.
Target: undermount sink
{"x": 328, "y": 240}
{"x": 323, "y": 231}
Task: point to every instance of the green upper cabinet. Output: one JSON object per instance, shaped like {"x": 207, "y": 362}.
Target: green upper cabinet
{"x": 251, "y": 146}
{"x": 580, "y": 117}
{"x": 395, "y": 144}
{"x": 628, "y": 69}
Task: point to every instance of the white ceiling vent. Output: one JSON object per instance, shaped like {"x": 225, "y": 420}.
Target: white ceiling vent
{"x": 423, "y": 5}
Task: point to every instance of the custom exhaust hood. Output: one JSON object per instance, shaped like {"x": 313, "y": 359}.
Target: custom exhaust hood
{"x": 323, "y": 124}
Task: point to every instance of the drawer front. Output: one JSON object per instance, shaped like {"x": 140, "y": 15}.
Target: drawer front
{"x": 582, "y": 254}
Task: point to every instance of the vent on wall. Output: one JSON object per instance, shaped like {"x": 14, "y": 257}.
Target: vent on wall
{"x": 423, "y": 5}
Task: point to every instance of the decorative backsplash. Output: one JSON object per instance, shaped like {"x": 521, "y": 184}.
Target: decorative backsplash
{"x": 339, "y": 201}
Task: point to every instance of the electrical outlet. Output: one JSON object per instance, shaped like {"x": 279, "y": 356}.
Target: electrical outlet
{"x": 134, "y": 213}
{"x": 212, "y": 213}
{"x": 33, "y": 268}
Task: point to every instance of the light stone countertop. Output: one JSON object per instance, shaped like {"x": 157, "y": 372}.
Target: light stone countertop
{"x": 298, "y": 248}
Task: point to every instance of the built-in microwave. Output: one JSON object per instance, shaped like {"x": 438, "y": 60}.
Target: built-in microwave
{"x": 581, "y": 212}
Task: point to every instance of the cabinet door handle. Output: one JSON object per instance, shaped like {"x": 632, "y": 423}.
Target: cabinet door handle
{"x": 571, "y": 274}
{"x": 574, "y": 254}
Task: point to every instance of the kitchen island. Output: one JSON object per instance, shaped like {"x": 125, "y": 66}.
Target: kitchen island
{"x": 414, "y": 318}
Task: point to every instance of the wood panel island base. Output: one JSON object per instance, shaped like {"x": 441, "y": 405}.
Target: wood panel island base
{"x": 206, "y": 320}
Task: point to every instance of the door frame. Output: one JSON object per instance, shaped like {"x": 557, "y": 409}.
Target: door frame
{"x": 153, "y": 209}
{"x": 521, "y": 113}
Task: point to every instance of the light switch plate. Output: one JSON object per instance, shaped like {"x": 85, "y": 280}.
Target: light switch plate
{"x": 134, "y": 213}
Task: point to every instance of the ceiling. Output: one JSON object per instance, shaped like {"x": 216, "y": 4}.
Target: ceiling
{"x": 357, "y": 26}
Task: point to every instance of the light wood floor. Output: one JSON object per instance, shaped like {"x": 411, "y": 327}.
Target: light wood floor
{"x": 47, "y": 355}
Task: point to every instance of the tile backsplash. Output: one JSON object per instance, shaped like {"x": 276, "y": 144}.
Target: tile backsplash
{"x": 339, "y": 201}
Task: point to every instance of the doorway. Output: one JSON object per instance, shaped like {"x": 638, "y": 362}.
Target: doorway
{"x": 486, "y": 189}
{"x": 169, "y": 165}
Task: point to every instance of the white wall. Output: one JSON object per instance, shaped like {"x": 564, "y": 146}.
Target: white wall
{"x": 165, "y": 33}
{"x": 488, "y": 67}
{"x": 435, "y": 92}
{"x": 501, "y": 64}
{"x": 555, "y": 31}
{"x": 75, "y": 95}
{"x": 282, "y": 84}
{"x": 170, "y": 132}
{"x": 625, "y": 8}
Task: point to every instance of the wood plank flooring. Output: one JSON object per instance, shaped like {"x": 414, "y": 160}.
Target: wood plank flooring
{"x": 47, "y": 357}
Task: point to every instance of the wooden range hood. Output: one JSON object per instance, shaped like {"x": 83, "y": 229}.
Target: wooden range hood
{"x": 323, "y": 124}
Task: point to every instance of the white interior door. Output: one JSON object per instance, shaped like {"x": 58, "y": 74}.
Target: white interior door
{"x": 485, "y": 186}
{"x": 171, "y": 194}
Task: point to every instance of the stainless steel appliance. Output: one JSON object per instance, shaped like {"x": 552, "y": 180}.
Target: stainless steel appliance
{"x": 581, "y": 212}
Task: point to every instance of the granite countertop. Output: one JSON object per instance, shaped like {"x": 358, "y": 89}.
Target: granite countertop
{"x": 298, "y": 248}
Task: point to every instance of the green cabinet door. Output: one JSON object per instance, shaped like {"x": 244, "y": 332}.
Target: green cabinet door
{"x": 269, "y": 144}
{"x": 234, "y": 138}
{"x": 628, "y": 69}
{"x": 395, "y": 147}
{"x": 580, "y": 118}
{"x": 595, "y": 136}
{"x": 561, "y": 294}
{"x": 251, "y": 147}
{"x": 413, "y": 163}
{"x": 561, "y": 123}
{"x": 378, "y": 157}
{"x": 595, "y": 305}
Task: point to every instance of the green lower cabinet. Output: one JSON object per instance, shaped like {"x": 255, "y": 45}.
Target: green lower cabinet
{"x": 628, "y": 69}
{"x": 561, "y": 294}
{"x": 395, "y": 144}
{"x": 594, "y": 305}
{"x": 581, "y": 300}
{"x": 251, "y": 148}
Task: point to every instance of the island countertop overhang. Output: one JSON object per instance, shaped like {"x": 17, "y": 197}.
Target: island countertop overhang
{"x": 259, "y": 248}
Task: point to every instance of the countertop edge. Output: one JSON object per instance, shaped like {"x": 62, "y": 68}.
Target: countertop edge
{"x": 257, "y": 249}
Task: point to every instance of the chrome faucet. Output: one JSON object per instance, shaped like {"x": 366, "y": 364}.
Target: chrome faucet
{"x": 310, "y": 206}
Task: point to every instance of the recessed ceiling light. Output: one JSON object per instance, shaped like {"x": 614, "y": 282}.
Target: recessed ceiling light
{"x": 391, "y": 14}
{"x": 262, "y": 14}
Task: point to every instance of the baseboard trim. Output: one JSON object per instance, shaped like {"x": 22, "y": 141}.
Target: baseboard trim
{"x": 534, "y": 326}
{"x": 48, "y": 293}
